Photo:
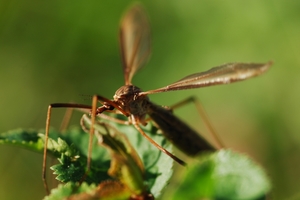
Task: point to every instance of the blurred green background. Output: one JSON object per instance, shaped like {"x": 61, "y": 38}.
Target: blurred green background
{"x": 57, "y": 51}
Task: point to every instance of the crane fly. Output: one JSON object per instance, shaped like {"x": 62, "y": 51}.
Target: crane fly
{"x": 130, "y": 101}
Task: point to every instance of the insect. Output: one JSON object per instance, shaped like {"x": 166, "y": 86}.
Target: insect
{"x": 130, "y": 101}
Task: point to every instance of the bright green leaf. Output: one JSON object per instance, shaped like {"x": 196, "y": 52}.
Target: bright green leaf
{"x": 64, "y": 191}
{"x": 224, "y": 175}
{"x": 70, "y": 147}
{"x": 158, "y": 166}
{"x": 23, "y": 138}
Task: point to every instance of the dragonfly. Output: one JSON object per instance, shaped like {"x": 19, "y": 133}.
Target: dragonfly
{"x": 130, "y": 101}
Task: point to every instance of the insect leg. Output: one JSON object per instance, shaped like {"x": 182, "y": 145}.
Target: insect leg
{"x": 113, "y": 119}
{"x": 94, "y": 113}
{"x": 158, "y": 146}
{"x": 55, "y": 105}
{"x": 66, "y": 119}
{"x": 203, "y": 115}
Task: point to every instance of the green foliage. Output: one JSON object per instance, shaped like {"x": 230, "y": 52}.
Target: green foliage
{"x": 24, "y": 138}
{"x": 68, "y": 189}
{"x": 224, "y": 175}
{"x": 118, "y": 160}
{"x": 125, "y": 164}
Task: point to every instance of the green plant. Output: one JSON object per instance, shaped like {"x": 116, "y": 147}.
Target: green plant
{"x": 125, "y": 165}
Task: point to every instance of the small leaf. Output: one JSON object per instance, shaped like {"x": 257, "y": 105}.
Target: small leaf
{"x": 108, "y": 190}
{"x": 158, "y": 166}
{"x": 224, "y": 175}
{"x": 126, "y": 165}
{"x": 65, "y": 191}
{"x": 72, "y": 158}
{"x": 24, "y": 138}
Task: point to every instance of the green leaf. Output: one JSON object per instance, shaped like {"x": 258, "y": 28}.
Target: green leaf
{"x": 70, "y": 147}
{"x": 108, "y": 190}
{"x": 28, "y": 139}
{"x": 224, "y": 175}
{"x": 158, "y": 166}
{"x": 126, "y": 164}
{"x": 72, "y": 157}
{"x": 64, "y": 191}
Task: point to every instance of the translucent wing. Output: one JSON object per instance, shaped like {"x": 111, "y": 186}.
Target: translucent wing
{"x": 134, "y": 41}
{"x": 223, "y": 74}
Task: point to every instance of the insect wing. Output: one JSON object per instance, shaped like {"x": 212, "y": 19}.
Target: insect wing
{"x": 134, "y": 41}
{"x": 223, "y": 74}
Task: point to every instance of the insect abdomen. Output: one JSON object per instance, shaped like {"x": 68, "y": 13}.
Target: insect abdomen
{"x": 180, "y": 134}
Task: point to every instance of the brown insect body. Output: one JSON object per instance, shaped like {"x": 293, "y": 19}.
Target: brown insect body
{"x": 127, "y": 97}
{"x": 175, "y": 130}
{"x": 179, "y": 133}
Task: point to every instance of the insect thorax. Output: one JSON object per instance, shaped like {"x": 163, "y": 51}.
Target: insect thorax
{"x": 128, "y": 98}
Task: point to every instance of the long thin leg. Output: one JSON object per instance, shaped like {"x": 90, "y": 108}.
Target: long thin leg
{"x": 64, "y": 124}
{"x": 55, "y": 105}
{"x": 110, "y": 118}
{"x": 67, "y": 117}
{"x": 158, "y": 146}
{"x": 93, "y": 118}
{"x": 203, "y": 115}
{"x": 111, "y": 103}
{"x": 94, "y": 112}
{"x": 105, "y": 116}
